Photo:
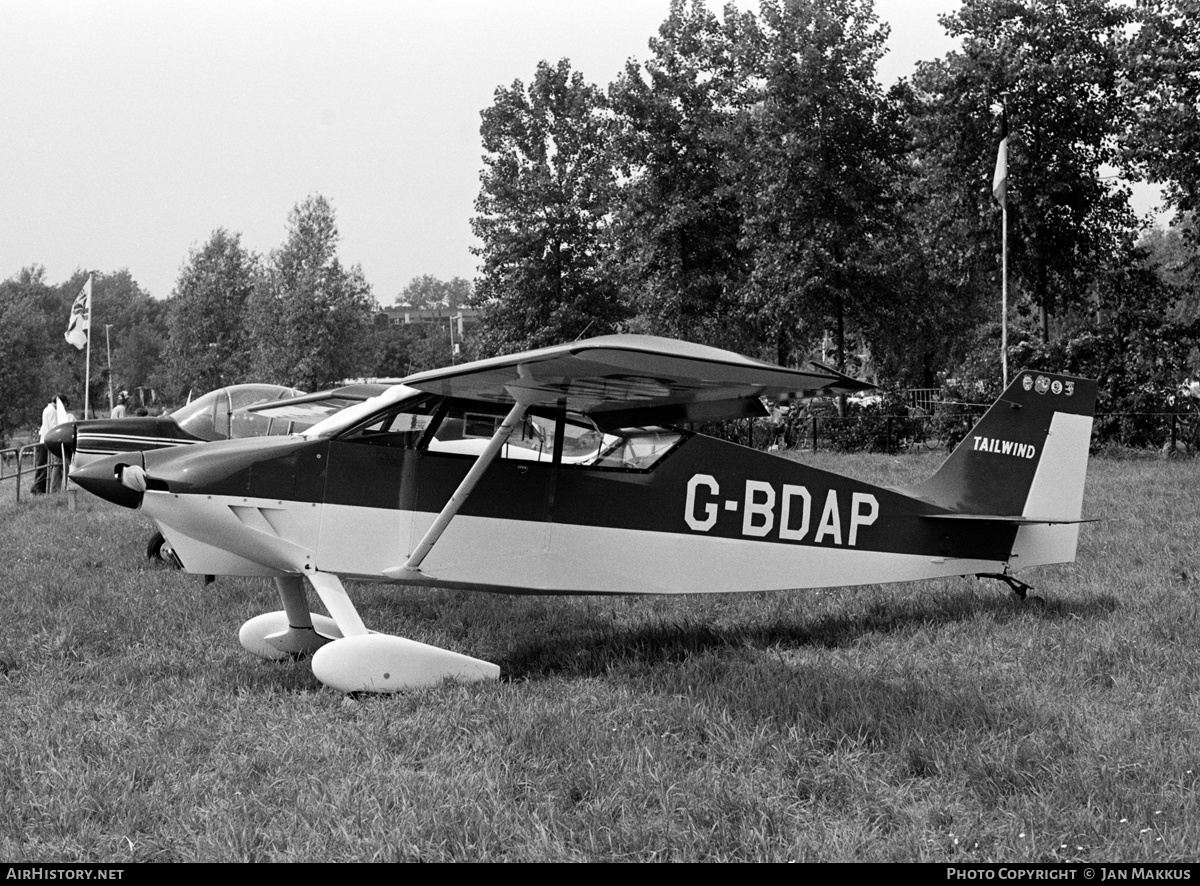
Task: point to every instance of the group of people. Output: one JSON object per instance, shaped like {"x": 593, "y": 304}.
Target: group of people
{"x": 48, "y": 465}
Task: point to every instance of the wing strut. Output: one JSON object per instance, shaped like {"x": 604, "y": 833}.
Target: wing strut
{"x": 525, "y": 397}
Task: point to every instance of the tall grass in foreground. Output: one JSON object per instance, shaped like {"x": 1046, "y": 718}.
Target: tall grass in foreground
{"x": 931, "y": 721}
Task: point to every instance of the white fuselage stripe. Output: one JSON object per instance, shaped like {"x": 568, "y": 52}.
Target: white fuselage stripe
{"x": 258, "y": 537}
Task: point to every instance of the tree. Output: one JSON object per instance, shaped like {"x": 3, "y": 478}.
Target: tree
{"x": 428, "y": 291}
{"x": 35, "y": 360}
{"x": 938, "y": 267}
{"x": 824, "y": 154}
{"x": 1162, "y": 91}
{"x": 1056, "y": 65}
{"x": 208, "y": 345}
{"x": 28, "y": 375}
{"x": 678, "y": 143}
{"x": 1174, "y": 256}
{"x": 307, "y": 322}
{"x": 1132, "y": 345}
{"x": 136, "y": 331}
{"x": 544, "y": 211}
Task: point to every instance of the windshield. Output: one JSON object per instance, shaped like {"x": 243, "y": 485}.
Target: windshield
{"x": 352, "y": 415}
{"x": 208, "y": 417}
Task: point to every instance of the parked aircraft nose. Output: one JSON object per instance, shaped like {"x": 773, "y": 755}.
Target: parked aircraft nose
{"x": 118, "y": 478}
{"x": 62, "y": 436}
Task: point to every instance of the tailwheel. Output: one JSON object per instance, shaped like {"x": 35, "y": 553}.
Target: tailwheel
{"x": 1018, "y": 587}
{"x": 272, "y": 635}
{"x": 384, "y": 663}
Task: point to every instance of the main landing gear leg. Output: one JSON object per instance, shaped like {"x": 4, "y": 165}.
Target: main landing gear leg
{"x": 1017, "y": 586}
{"x": 368, "y": 662}
{"x": 293, "y": 632}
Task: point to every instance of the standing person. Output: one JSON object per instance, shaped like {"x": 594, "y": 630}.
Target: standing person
{"x": 50, "y": 416}
{"x": 121, "y": 409}
{"x": 56, "y": 468}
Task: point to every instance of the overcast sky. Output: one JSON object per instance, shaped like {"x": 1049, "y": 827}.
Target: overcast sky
{"x": 131, "y": 129}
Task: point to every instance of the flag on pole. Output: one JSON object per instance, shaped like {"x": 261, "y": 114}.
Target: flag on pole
{"x": 1000, "y": 177}
{"x": 80, "y": 321}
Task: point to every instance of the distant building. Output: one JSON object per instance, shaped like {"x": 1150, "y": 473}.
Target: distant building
{"x": 404, "y": 315}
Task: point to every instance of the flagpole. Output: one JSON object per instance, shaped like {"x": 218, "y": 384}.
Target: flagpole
{"x": 1004, "y": 292}
{"x": 87, "y": 372}
{"x": 1000, "y": 192}
{"x": 108, "y": 357}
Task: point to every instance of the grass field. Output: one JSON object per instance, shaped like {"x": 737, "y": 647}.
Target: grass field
{"x": 936, "y": 721}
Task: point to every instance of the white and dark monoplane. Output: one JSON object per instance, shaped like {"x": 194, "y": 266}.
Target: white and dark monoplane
{"x": 568, "y": 470}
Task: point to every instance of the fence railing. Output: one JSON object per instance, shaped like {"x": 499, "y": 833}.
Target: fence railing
{"x": 18, "y": 463}
{"x": 13, "y": 465}
{"x": 868, "y": 431}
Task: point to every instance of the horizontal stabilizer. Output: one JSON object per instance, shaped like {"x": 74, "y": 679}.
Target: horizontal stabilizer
{"x": 1007, "y": 520}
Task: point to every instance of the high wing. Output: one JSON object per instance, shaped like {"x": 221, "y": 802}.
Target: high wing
{"x": 617, "y": 381}
{"x": 625, "y": 380}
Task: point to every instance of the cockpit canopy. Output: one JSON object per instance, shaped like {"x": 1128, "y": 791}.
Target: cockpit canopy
{"x": 215, "y": 415}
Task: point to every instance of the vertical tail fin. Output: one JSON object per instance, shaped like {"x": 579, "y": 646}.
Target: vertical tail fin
{"x": 1026, "y": 458}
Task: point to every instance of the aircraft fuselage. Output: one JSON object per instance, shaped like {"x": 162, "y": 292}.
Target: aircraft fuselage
{"x": 707, "y": 516}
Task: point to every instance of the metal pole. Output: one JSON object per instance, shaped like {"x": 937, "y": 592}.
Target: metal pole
{"x": 465, "y": 488}
{"x": 455, "y": 319}
{"x": 87, "y": 376}
{"x": 108, "y": 353}
{"x": 1004, "y": 292}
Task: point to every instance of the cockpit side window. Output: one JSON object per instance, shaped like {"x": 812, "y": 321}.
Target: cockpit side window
{"x": 637, "y": 449}
{"x": 549, "y": 435}
{"x": 465, "y": 429}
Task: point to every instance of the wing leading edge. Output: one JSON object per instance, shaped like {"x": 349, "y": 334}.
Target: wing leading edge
{"x": 626, "y": 380}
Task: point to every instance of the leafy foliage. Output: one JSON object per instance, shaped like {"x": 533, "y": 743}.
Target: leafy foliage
{"x": 397, "y": 351}
{"x": 883, "y": 425}
{"x": 825, "y": 151}
{"x": 25, "y": 343}
{"x": 544, "y": 214}
{"x": 208, "y": 344}
{"x": 36, "y": 362}
{"x": 138, "y": 330}
{"x": 1136, "y": 351}
{"x": 1162, "y": 91}
{"x": 1172, "y": 255}
{"x": 1057, "y": 67}
{"x": 307, "y": 322}
{"x": 678, "y": 121}
{"x": 428, "y": 291}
